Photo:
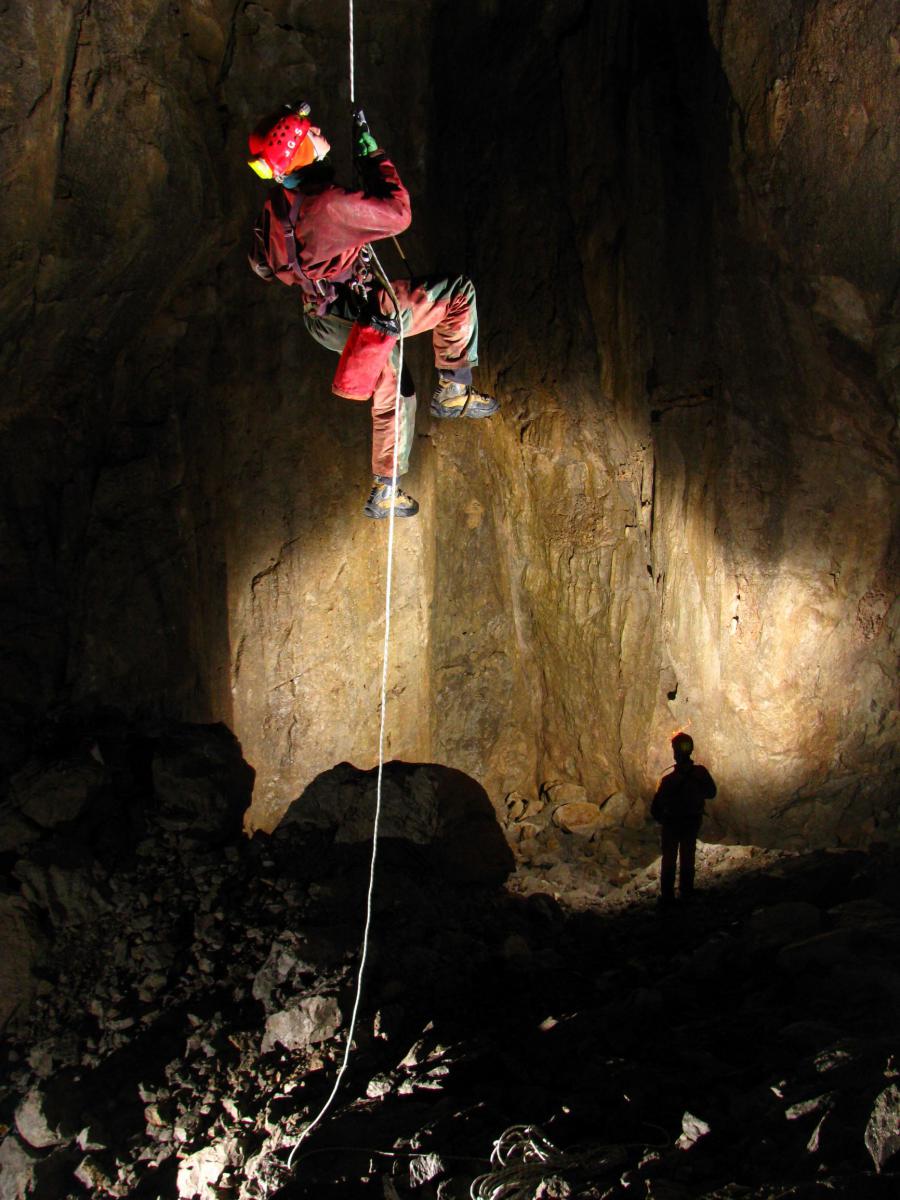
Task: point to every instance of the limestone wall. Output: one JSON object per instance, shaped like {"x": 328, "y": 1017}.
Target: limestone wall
{"x": 679, "y": 222}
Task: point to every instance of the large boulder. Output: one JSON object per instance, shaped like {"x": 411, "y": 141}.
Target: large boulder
{"x": 427, "y": 804}
{"x": 28, "y": 1176}
{"x": 199, "y": 1173}
{"x": 201, "y": 783}
{"x": 577, "y": 816}
{"x": 313, "y": 1019}
{"x": 288, "y": 963}
{"x": 35, "y": 1125}
{"x": 16, "y": 831}
{"x": 883, "y": 1130}
{"x": 69, "y": 890}
{"x": 18, "y": 1168}
{"x": 52, "y": 795}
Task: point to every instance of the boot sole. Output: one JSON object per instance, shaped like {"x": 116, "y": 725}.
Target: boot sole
{"x": 379, "y": 514}
{"x": 472, "y": 412}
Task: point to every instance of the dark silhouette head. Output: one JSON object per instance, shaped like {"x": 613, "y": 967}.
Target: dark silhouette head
{"x": 682, "y": 747}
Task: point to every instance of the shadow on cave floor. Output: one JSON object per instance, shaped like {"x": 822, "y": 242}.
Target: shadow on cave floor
{"x": 196, "y": 991}
{"x": 611, "y": 1029}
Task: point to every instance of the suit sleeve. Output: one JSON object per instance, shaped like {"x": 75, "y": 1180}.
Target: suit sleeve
{"x": 381, "y": 210}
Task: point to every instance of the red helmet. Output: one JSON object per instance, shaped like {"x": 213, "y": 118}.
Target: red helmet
{"x": 279, "y": 144}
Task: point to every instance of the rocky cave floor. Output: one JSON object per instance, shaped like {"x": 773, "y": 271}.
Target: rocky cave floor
{"x": 195, "y": 985}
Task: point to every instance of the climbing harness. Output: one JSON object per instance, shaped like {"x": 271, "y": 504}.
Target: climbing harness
{"x": 372, "y": 336}
{"x": 287, "y": 216}
{"x": 384, "y": 676}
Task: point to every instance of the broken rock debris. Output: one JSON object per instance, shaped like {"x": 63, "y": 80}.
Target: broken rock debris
{"x": 187, "y": 1022}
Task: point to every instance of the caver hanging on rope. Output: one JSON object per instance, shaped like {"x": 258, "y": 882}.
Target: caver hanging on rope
{"x": 315, "y": 234}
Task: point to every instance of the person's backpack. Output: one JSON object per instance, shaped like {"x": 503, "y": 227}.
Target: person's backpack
{"x": 273, "y": 251}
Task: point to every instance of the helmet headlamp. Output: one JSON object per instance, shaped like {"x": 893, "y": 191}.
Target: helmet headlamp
{"x": 261, "y": 167}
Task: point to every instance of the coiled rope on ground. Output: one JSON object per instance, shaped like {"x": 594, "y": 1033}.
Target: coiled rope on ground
{"x": 526, "y": 1165}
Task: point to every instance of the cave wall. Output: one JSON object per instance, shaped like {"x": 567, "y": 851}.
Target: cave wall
{"x": 116, "y": 226}
{"x": 682, "y": 225}
{"x": 172, "y": 451}
{"x": 679, "y": 220}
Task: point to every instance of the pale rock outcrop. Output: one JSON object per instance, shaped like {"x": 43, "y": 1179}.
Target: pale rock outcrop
{"x": 17, "y": 1170}
{"x": 314, "y": 1019}
{"x": 883, "y": 1130}
{"x": 33, "y": 1124}
{"x": 199, "y": 1173}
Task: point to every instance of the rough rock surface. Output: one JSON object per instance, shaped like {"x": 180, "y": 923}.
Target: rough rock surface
{"x": 315, "y": 1019}
{"x": 21, "y": 946}
{"x": 698, "y": 435}
{"x": 665, "y": 1053}
{"x": 883, "y": 1129}
{"x": 201, "y": 782}
{"x": 686, "y": 510}
{"x": 57, "y": 877}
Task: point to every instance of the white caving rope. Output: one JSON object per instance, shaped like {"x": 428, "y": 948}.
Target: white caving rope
{"x": 352, "y": 65}
{"x": 384, "y": 675}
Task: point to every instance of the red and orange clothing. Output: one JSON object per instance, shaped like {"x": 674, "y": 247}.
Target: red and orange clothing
{"x": 334, "y": 224}
{"x": 332, "y": 227}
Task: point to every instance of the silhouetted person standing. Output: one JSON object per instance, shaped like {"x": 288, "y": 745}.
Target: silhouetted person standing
{"x": 678, "y": 806}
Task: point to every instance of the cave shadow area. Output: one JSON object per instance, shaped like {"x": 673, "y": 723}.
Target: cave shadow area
{"x": 741, "y": 1039}
{"x": 196, "y": 989}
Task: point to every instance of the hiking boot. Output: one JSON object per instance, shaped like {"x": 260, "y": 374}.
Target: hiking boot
{"x": 386, "y": 496}
{"x": 452, "y": 399}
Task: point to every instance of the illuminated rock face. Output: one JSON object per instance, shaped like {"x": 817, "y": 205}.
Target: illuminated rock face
{"x": 699, "y": 506}
{"x": 679, "y": 225}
